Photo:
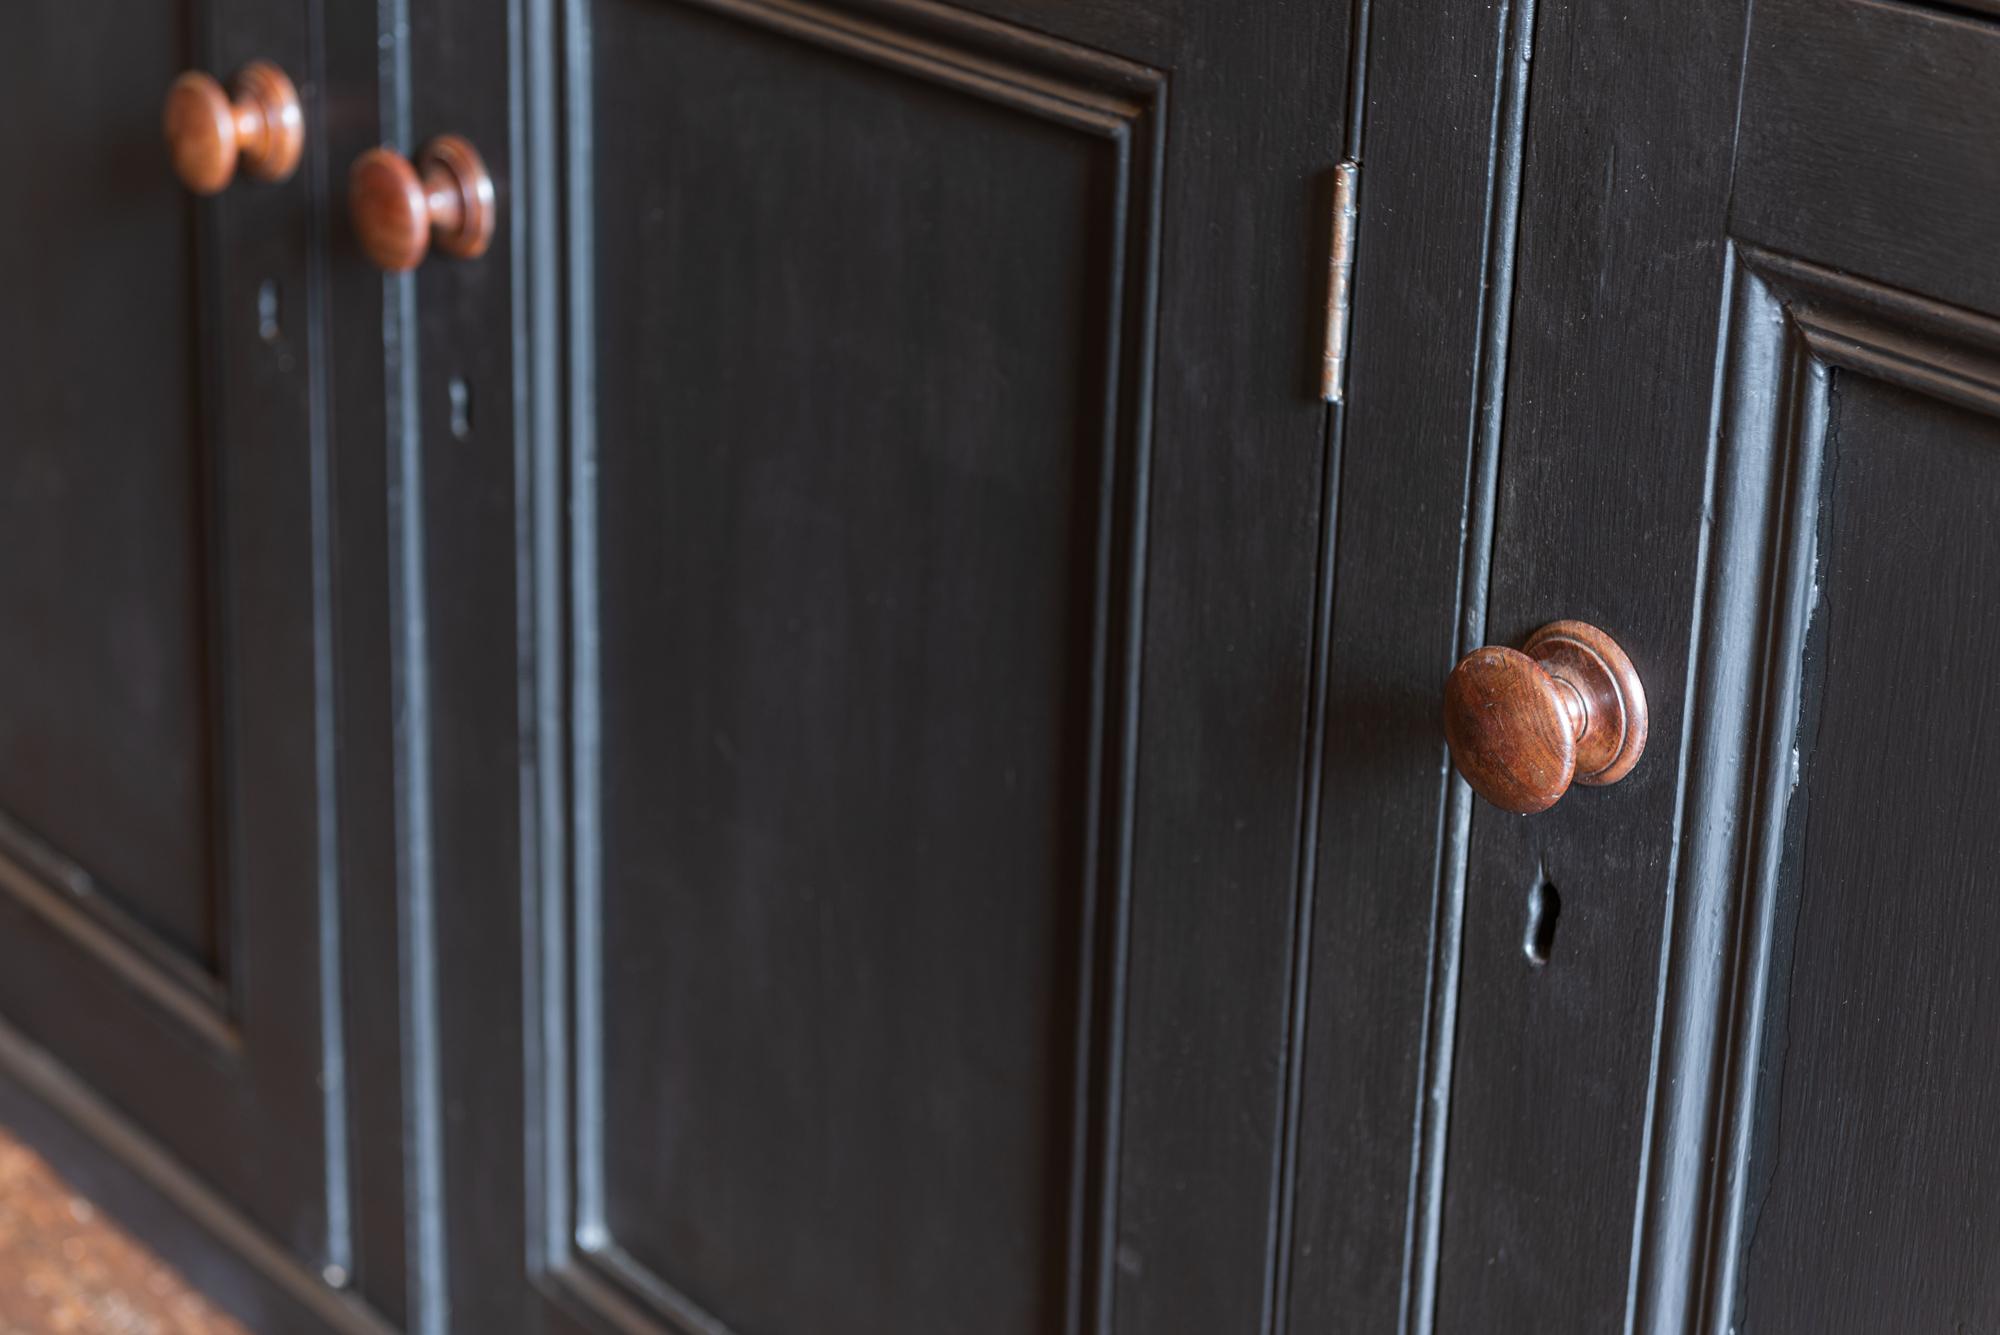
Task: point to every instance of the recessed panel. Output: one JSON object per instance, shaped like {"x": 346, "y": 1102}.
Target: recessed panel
{"x": 852, "y": 411}
{"x": 1874, "y": 1196}
{"x": 105, "y": 717}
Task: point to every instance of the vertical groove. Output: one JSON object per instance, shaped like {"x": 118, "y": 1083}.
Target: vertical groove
{"x": 1357, "y": 77}
{"x": 586, "y": 919}
{"x": 1788, "y": 594}
{"x": 1424, "y": 1231}
{"x": 1642, "y": 1218}
{"x": 538, "y": 491}
{"x": 1743, "y": 691}
{"x": 423, "y": 1133}
{"x": 1312, "y": 756}
{"x": 1278, "y": 1281}
{"x": 208, "y": 557}
{"x": 1115, "y": 974}
{"x": 1084, "y": 1250}
{"x": 319, "y": 335}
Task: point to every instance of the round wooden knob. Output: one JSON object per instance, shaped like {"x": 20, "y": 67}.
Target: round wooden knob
{"x": 1523, "y": 724}
{"x": 401, "y": 209}
{"x": 209, "y": 132}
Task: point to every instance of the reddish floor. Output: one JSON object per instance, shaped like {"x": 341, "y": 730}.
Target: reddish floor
{"x": 66, "y": 1269}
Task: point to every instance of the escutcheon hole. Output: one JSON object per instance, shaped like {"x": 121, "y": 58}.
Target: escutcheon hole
{"x": 267, "y": 311}
{"x": 1544, "y": 907}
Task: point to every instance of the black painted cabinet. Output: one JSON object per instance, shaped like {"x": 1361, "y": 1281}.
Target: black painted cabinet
{"x": 832, "y": 737}
{"x": 167, "y": 845}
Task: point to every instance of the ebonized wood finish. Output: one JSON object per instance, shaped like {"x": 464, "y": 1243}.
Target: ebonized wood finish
{"x": 830, "y": 737}
{"x": 1608, "y": 387}
{"x": 1735, "y": 1035}
{"x": 879, "y": 684}
{"x": 199, "y": 983}
{"x": 165, "y": 882}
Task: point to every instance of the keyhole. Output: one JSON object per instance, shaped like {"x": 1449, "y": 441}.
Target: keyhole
{"x": 267, "y": 311}
{"x": 1544, "y": 907}
{"x": 460, "y": 395}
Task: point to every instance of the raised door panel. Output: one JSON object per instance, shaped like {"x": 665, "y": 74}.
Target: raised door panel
{"x": 1873, "y": 1187}
{"x": 162, "y": 872}
{"x": 917, "y": 590}
{"x": 1749, "y": 383}
{"x": 107, "y": 737}
{"x": 1832, "y": 988}
{"x": 857, "y": 490}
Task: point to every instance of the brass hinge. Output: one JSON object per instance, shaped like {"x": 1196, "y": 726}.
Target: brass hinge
{"x": 1339, "y": 281}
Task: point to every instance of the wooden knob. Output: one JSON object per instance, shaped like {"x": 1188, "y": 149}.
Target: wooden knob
{"x": 209, "y": 133}
{"x": 401, "y": 209}
{"x": 1522, "y": 724}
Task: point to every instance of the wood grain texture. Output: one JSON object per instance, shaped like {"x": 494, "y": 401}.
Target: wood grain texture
{"x": 1510, "y": 729}
{"x": 210, "y": 133}
{"x": 1790, "y": 321}
{"x": 1432, "y": 304}
{"x": 1524, "y": 724}
{"x": 389, "y": 209}
{"x": 1617, "y": 293}
{"x": 399, "y": 208}
{"x": 1870, "y": 1170}
{"x": 866, "y": 197}
{"x": 1729, "y": 1121}
{"x": 853, "y": 803}
{"x": 1822, "y": 174}
{"x": 200, "y": 127}
{"x": 873, "y": 747}
{"x": 1258, "y": 102}
{"x": 1743, "y": 692}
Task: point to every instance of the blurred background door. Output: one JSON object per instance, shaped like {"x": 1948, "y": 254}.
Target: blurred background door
{"x": 167, "y": 972}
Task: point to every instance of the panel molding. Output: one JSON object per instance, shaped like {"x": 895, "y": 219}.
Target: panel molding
{"x": 70, "y": 901}
{"x": 1789, "y": 324}
{"x": 202, "y": 1212}
{"x": 1423, "y": 1246}
{"x": 1013, "y": 67}
{"x": 580, "y": 1267}
{"x": 54, "y": 885}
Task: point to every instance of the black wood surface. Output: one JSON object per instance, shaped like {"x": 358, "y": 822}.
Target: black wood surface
{"x": 376, "y": 844}
{"x": 111, "y": 734}
{"x": 1724, "y": 1045}
{"x": 831, "y": 737}
{"x": 892, "y": 716}
{"x": 1780, "y": 1034}
{"x": 165, "y": 878}
{"x": 1872, "y": 1174}
{"x": 1905, "y": 197}
{"x": 1414, "y": 502}
{"x": 851, "y": 474}
{"x": 1609, "y": 387}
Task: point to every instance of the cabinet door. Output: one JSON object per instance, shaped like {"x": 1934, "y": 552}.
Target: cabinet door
{"x": 1852, "y": 627}
{"x": 1747, "y": 1084}
{"x": 901, "y": 629}
{"x": 165, "y": 856}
